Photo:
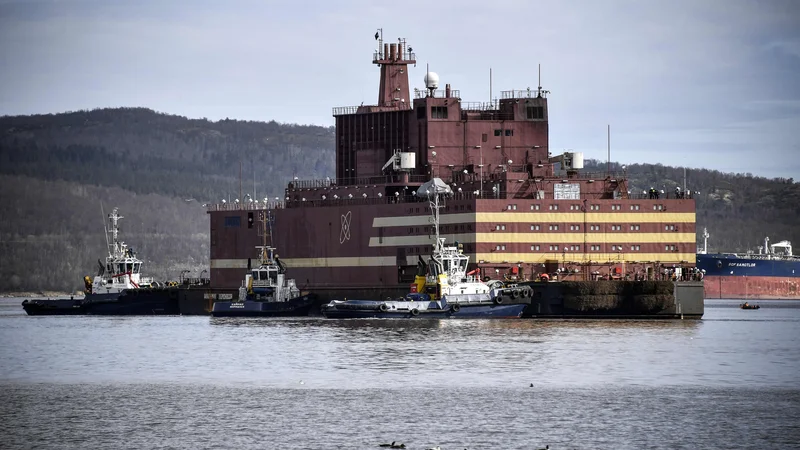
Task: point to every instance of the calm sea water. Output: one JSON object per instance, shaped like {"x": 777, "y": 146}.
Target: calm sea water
{"x": 731, "y": 380}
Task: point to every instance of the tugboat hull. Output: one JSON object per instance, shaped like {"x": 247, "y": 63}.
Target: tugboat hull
{"x": 299, "y": 306}
{"x": 56, "y": 307}
{"x": 133, "y": 302}
{"x": 127, "y": 303}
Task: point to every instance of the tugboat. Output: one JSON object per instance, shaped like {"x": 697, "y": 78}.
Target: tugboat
{"x": 114, "y": 291}
{"x": 442, "y": 288}
{"x": 265, "y": 291}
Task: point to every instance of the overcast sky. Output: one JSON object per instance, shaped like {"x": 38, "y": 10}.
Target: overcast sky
{"x": 703, "y": 83}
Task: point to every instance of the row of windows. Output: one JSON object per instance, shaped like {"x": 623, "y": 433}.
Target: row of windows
{"x": 444, "y": 229}
{"x": 500, "y": 132}
{"x": 592, "y": 248}
{"x": 534, "y": 112}
{"x": 576, "y": 207}
{"x": 446, "y": 209}
{"x": 426, "y": 250}
{"x": 535, "y": 227}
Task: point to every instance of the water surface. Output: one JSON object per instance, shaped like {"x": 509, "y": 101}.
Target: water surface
{"x": 731, "y": 380}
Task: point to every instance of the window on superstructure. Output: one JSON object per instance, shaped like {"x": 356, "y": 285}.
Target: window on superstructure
{"x": 498, "y": 132}
{"x": 634, "y": 207}
{"x": 509, "y": 132}
{"x": 553, "y": 227}
{"x": 233, "y": 221}
{"x": 534, "y": 112}
{"x": 534, "y": 207}
{"x": 534, "y": 248}
{"x": 634, "y": 227}
{"x": 438, "y": 112}
{"x": 553, "y": 207}
{"x": 534, "y": 227}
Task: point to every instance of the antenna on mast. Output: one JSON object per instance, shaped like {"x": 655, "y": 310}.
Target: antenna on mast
{"x": 540, "y": 80}
{"x": 608, "y": 162}
{"x": 490, "y": 86}
{"x": 105, "y": 227}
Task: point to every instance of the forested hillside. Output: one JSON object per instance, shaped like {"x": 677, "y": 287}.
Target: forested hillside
{"x": 60, "y": 172}
{"x": 146, "y": 152}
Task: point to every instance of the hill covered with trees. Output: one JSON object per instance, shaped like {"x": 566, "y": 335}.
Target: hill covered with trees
{"x": 60, "y": 173}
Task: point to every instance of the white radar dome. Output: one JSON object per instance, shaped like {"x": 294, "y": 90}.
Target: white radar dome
{"x": 431, "y": 80}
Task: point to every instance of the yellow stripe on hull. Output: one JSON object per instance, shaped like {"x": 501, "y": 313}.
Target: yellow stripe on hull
{"x": 533, "y": 238}
{"x": 577, "y": 216}
{"x": 486, "y": 258}
{"x": 410, "y": 221}
{"x": 355, "y": 261}
{"x": 228, "y": 264}
{"x": 537, "y": 217}
{"x": 499, "y": 257}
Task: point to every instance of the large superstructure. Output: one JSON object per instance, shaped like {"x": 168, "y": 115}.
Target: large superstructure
{"x": 518, "y": 210}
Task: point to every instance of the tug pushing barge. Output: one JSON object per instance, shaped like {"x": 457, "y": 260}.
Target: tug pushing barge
{"x": 519, "y": 212}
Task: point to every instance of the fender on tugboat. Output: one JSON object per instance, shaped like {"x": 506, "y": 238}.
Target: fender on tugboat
{"x": 414, "y": 312}
{"x": 498, "y": 300}
{"x": 384, "y": 307}
{"x": 455, "y": 307}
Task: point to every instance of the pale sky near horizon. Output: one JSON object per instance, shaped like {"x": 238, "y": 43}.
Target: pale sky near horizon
{"x": 705, "y": 83}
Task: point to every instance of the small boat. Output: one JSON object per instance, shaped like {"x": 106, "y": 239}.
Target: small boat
{"x": 442, "y": 288}
{"x": 746, "y": 305}
{"x": 265, "y": 291}
{"x": 113, "y": 291}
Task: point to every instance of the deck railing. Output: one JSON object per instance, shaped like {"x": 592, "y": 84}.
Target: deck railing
{"x": 438, "y": 93}
{"x": 528, "y": 93}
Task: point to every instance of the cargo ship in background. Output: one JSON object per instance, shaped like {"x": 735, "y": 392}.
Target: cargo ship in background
{"x": 773, "y": 273}
{"x": 518, "y": 211}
